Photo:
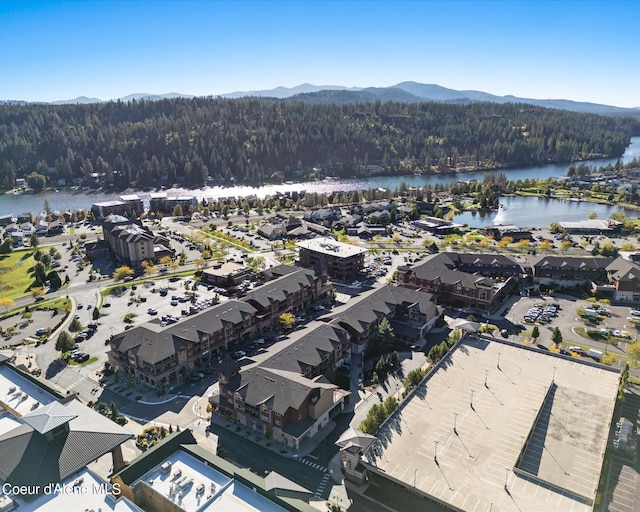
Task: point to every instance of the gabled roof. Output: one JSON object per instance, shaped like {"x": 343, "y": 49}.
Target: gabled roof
{"x": 570, "y": 263}
{"x": 153, "y": 343}
{"x": 280, "y": 288}
{"x": 28, "y": 457}
{"x": 282, "y": 390}
{"x": 279, "y": 271}
{"x": 371, "y": 306}
{"x": 621, "y": 269}
{"x": 309, "y": 350}
{"x": 443, "y": 268}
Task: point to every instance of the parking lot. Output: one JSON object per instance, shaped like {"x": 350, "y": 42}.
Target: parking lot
{"x": 612, "y": 323}
{"x": 154, "y": 299}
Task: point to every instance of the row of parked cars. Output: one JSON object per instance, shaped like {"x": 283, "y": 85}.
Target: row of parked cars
{"x": 541, "y": 313}
{"x": 79, "y": 357}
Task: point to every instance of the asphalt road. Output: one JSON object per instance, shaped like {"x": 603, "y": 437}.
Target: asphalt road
{"x": 261, "y": 460}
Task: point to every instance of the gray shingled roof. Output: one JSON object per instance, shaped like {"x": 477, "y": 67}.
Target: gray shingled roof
{"x": 279, "y": 389}
{"x": 281, "y": 287}
{"x": 278, "y": 271}
{"x": 309, "y": 350}
{"x": 570, "y": 263}
{"x": 441, "y": 266}
{"x": 370, "y": 307}
{"x": 623, "y": 269}
{"x": 154, "y": 343}
{"x": 27, "y": 457}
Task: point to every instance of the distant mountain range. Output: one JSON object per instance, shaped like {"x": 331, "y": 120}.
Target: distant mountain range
{"x": 416, "y": 92}
{"x": 406, "y": 92}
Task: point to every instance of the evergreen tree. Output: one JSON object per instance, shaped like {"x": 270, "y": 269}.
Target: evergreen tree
{"x": 386, "y": 336}
{"x": 64, "y": 343}
{"x": 535, "y": 332}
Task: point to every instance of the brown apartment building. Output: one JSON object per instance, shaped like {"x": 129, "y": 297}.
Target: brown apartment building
{"x": 442, "y": 275}
{"x": 286, "y": 396}
{"x": 160, "y": 356}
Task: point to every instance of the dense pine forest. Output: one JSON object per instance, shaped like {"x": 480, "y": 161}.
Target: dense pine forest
{"x": 223, "y": 141}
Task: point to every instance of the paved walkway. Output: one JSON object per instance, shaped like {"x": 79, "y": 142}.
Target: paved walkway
{"x": 302, "y": 454}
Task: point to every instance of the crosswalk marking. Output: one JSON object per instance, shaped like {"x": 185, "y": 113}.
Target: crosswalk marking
{"x": 74, "y": 383}
{"x": 323, "y": 484}
{"x": 313, "y": 465}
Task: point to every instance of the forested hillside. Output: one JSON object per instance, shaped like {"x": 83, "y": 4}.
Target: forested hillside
{"x": 187, "y": 141}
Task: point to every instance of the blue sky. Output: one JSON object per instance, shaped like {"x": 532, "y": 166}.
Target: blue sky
{"x": 582, "y": 50}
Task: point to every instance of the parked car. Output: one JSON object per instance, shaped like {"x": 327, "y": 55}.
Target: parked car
{"x": 82, "y": 357}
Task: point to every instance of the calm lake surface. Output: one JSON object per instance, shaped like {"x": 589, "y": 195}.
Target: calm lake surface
{"x": 538, "y": 212}
{"x": 522, "y": 211}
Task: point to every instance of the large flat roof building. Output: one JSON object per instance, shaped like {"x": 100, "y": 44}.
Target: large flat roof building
{"x": 178, "y": 474}
{"x": 342, "y": 261}
{"x": 500, "y": 426}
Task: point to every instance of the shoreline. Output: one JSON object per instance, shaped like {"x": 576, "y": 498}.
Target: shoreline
{"x": 177, "y": 186}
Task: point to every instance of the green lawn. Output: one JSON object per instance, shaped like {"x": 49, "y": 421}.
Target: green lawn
{"x": 88, "y": 361}
{"x": 15, "y": 278}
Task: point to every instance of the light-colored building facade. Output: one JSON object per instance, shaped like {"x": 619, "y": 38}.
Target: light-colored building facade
{"x": 339, "y": 260}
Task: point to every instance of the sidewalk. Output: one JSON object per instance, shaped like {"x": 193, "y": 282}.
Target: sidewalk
{"x": 136, "y": 393}
{"x": 306, "y": 448}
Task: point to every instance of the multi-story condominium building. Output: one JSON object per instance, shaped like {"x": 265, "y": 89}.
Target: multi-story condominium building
{"x": 286, "y": 396}
{"x": 161, "y": 356}
{"x": 342, "y": 261}
{"x": 291, "y": 292}
{"x": 412, "y": 314}
{"x": 488, "y": 265}
{"x": 440, "y": 274}
{"x": 313, "y": 350}
{"x": 624, "y": 280}
{"x": 133, "y": 243}
{"x": 160, "y": 202}
{"x": 130, "y": 206}
{"x": 564, "y": 271}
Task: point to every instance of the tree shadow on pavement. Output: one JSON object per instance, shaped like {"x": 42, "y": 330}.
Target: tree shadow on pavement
{"x": 54, "y": 368}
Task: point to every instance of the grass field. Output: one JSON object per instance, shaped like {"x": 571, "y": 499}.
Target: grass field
{"x": 15, "y": 275}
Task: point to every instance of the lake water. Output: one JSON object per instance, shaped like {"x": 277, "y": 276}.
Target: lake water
{"x": 519, "y": 210}
{"x": 537, "y": 212}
